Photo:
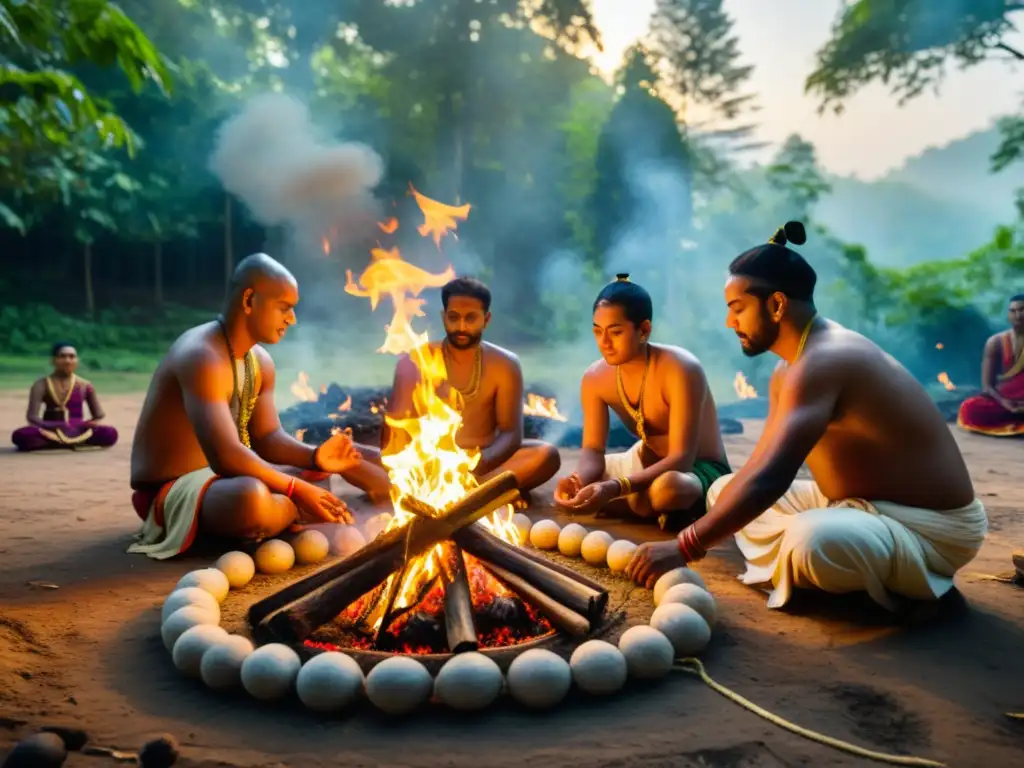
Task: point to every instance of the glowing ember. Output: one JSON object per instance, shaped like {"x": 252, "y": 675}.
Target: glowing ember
{"x": 940, "y": 345}
{"x": 301, "y": 389}
{"x": 388, "y": 227}
{"x": 343, "y": 408}
{"x": 300, "y": 434}
{"x": 438, "y": 219}
{"x": 326, "y": 245}
{"x": 744, "y": 390}
{"x": 945, "y": 381}
{"x": 430, "y": 466}
{"x": 545, "y": 407}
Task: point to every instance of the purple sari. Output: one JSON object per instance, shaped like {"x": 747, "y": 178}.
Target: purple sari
{"x": 63, "y": 424}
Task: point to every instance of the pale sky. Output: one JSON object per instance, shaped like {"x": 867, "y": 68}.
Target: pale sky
{"x": 874, "y": 134}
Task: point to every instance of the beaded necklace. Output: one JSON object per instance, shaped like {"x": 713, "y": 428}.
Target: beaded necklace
{"x": 246, "y": 398}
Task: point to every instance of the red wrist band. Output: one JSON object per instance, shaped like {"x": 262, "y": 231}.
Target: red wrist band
{"x": 689, "y": 545}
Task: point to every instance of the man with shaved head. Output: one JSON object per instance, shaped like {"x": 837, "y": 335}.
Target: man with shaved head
{"x": 210, "y": 457}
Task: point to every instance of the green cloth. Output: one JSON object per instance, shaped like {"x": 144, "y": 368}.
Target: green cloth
{"x": 707, "y": 471}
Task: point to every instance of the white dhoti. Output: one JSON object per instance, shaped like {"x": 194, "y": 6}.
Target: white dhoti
{"x": 806, "y": 540}
{"x": 624, "y": 464}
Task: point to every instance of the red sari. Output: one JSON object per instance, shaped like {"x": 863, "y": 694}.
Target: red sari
{"x": 984, "y": 415}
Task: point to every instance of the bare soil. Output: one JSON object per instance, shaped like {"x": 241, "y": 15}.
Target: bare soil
{"x": 88, "y": 653}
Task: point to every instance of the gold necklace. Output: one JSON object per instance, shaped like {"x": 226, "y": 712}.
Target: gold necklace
{"x": 245, "y": 399}
{"x": 637, "y": 414}
{"x": 804, "y": 335}
{"x": 470, "y": 391}
{"x": 62, "y": 405}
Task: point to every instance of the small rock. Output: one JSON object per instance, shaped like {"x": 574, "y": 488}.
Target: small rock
{"x": 42, "y": 750}
{"x": 25, "y": 675}
{"x": 161, "y": 752}
{"x": 74, "y": 738}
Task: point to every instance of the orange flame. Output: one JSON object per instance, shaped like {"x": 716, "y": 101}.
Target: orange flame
{"x": 545, "y": 407}
{"x": 940, "y": 345}
{"x": 438, "y": 219}
{"x": 945, "y": 381}
{"x": 300, "y": 434}
{"x": 388, "y": 227}
{"x": 431, "y": 466}
{"x": 744, "y": 390}
{"x": 301, "y": 389}
{"x": 325, "y": 244}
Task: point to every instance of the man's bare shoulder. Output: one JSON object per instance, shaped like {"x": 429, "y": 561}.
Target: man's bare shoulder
{"x": 995, "y": 341}
{"x": 673, "y": 358}
{"x": 505, "y": 359}
{"x": 83, "y": 382}
{"x": 597, "y": 372}
{"x": 195, "y": 348}
{"x": 266, "y": 362}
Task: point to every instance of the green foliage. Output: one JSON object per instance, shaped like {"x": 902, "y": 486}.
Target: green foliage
{"x": 795, "y": 176}
{"x": 1011, "y": 146}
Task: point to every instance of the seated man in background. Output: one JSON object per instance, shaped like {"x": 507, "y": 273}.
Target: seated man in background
{"x": 999, "y": 409}
{"x": 891, "y": 509}
{"x": 661, "y": 394}
{"x": 488, "y": 382}
{"x": 210, "y": 456}
{"x": 61, "y": 397}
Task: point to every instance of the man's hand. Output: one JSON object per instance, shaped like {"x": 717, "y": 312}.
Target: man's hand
{"x": 567, "y": 489}
{"x": 319, "y": 505}
{"x": 338, "y": 454}
{"x": 653, "y": 559}
{"x": 593, "y": 498}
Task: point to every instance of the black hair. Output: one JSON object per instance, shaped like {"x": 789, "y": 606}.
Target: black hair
{"x": 1018, "y": 297}
{"x": 469, "y": 287}
{"x": 777, "y": 268}
{"x": 634, "y": 300}
{"x": 58, "y": 346}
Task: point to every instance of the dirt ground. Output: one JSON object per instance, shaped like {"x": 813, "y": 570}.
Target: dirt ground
{"x": 88, "y": 653}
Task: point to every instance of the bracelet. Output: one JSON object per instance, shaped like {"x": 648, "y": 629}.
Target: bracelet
{"x": 291, "y": 488}
{"x": 625, "y": 487}
{"x": 689, "y": 545}
{"x": 315, "y": 464}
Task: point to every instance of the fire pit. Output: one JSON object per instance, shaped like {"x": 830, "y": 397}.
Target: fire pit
{"x": 441, "y": 583}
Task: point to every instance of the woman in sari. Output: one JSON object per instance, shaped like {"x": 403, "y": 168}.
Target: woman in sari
{"x": 56, "y": 417}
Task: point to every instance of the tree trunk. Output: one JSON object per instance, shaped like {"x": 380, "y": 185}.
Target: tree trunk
{"x": 158, "y": 273}
{"x": 90, "y": 298}
{"x": 229, "y": 242}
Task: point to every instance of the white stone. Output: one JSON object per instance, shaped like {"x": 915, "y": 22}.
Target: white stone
{"x": 182, "y": 620}
{"x": 345, "y": 539}
{"x": 310, "y": 547}
{"x": 189, "y": 648}
{"x": 570, "y": 539}
{"x": 269, "y": 672}
{"x": 376, "y": 525}
{"x": 274, "y": 556}
{"x": 699, "y": 599}
{"x": 179, "y": 598}
{"x": 539, "y": 678}
{"x": 329, "y": 682}
{"x": 398, "y": 685}
{"x": 210, "y": 579}
{"x": 468, "y": 681}
{"x": 673, "y": 577}
{"x": 523, "y": 524}
{"x": 683, "y": 626}
{"x": 544, "y": 534}
{"x": 595, "y": 547}
{"x": 238, "y": 567}
{"x": 649, "y": 654}
{"x": 598, "y": 667}
{"x": 221, "y": 667}
{"x": 619, "y": 555}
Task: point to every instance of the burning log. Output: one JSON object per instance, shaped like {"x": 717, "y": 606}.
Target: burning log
{"x": 458, "y": 605}
{"x": 559, "y": 615}
{"x": 585, "y": 599}
{"x": 293, "y": 613}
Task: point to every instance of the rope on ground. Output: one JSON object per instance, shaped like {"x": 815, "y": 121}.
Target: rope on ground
{"x": 695, "y": 667}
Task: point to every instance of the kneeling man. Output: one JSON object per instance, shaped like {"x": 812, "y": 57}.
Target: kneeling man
{"x": 488, "y": 381}
{"x": 210, "y": 456}
{"x": 661, "y": 394}
{"x": 891, "y": 510}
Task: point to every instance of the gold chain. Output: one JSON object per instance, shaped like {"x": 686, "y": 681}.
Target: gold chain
{"x": 804, "y": 335}
{"x": 637, "y": 414}
{"x": 245, "y": 399}
{"x": 474, "y": 383}
{"x": 62, "y": 405}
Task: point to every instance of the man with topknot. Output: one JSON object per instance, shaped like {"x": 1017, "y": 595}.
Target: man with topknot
{"x": 890, "y": 511}
{"x": 662, "y": 396}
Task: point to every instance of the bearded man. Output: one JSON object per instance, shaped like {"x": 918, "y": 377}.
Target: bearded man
{"x": 891, "y": 510}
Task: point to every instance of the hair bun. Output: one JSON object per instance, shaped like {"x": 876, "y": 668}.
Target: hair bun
{"x": 622, "y": 277}
{"x": 795, "y": 232}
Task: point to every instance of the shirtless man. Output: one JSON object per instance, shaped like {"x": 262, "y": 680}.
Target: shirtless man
{"x": 489, "y": 382}
{"x": 891, "y": 509}
{"x": 209, "y": 455}
{"x": 999, "y": 410}
{"x": 662, "y": 396}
